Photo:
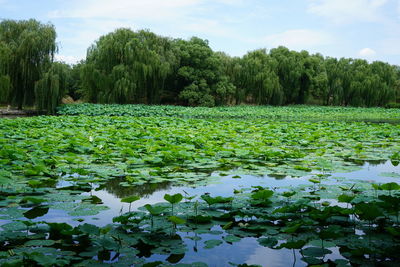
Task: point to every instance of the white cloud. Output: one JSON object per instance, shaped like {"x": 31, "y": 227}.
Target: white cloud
{"x": 127, "y": 9}
{"x": 367, "y": 52}
{"x": 152, "y": 10}
{"x": 93, "y": 18}
{"x": 299, "y": 39}
{"x": 345, "y": 11}
{"x": 67, "y": 59}
{"x": 83, "y": 34}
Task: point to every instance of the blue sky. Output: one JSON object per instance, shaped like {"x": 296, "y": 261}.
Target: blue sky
{"x": 368, "y": 29}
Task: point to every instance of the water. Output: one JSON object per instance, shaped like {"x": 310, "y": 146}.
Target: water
{"x": 247, "y": 250}
{"x": 111, "y": 195}
{"x": 224, "y": 186}
{"x": 371, "y": 172}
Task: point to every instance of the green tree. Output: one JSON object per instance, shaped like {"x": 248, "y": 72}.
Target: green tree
{"x": 5, "y": 81}
{"x": 259, "y": 78}
{"x": 290, "y": 71}
{"x": 319, "y": 80}
{"x": 27, "y": 50}
{"x": 52, "y": 87}
{"x": 74, "y": 81}
{"x": 201, "y": 80}
{"x": 127, "y": 67}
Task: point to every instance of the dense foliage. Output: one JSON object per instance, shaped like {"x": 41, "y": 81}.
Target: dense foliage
{"x": 48, "y": 218}
{"x": 66, "y": 144}
{"x": 201, "y": 82}
{"x": 289, "y": 113}
{"x": 141, "y": 67}
{"x": 51, "y": 88}
{"x": 27, "y": 76}
{"x": 127, "y": 67}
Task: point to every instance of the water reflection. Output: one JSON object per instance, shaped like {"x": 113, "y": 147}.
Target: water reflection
{"x": 369, "y": 162}
{"x": 114, "y": 187}
{"x": 112, "y": 191}
{"x": 246, "y": 250}
{"x": 372, "y": 172}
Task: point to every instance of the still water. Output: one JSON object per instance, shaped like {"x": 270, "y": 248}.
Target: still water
{"x": 247, "y": 250}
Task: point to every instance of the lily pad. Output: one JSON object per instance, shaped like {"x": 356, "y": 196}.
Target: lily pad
{"x": 212, "y": 243}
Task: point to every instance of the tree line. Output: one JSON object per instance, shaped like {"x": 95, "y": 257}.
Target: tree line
{"x": 128, "y": 66}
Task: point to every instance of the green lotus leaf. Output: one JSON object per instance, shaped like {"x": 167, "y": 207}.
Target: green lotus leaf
{"x": 315, "y": 251}
{"x": 212, "y": 243}
{"x": 173, "y": 199}
{"x": 40, "y": 243}
{"x": 231, "y": 238}
{"x": 176, "y": 220}
{"x": 268, "y": 242}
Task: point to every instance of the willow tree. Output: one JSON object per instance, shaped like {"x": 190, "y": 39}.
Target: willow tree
{"x": 290, "y": 71}
{"x": 356, "y": 82}
{"x": 259, "y": 79}
{"x": 52, "y": 87}
{"x": 5, "y": 81}
{"x": 31, "y": 47}
{"x": 127, "y": 67}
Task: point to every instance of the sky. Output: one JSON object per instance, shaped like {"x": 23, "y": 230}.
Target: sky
{"x": 368, "y": 29}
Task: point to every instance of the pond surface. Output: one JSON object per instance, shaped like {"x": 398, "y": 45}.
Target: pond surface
{"x": 247, "y": 249}
{"x": 112, "y": 192}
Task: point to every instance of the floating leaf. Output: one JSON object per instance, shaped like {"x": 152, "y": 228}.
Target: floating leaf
{"x": 212, "y": 243}
{"x": 293, "y": 244}
{"x": 42, "y": 259}
{"x": 320, "y": 243}
{"x": 288, "y": 194}
{"x": 231, "y": 238}
{"x": 390, "y": 174}
{"x": 40, "y": 243}
{"x": 216, "y": 200}
{"x": 268, "y": 242}
{"x": 34, "y": 200}
{"x": 291, "y": 229}
{"x": 315, "y": 252}
{"x": 390, "y": 186}
{"x": 262, "y": 194}
{"x": 14, "y": 226}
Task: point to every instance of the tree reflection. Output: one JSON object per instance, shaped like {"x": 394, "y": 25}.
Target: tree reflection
{"x": 114, "y": 187}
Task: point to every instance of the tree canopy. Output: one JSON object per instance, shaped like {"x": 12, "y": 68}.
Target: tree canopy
{"x": 127, "y": 66}
{"x": 27, "y": 49}
{"x": 141, "y": 67}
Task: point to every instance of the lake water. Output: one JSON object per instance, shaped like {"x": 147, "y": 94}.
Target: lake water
{"x": 246, "y": 250}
